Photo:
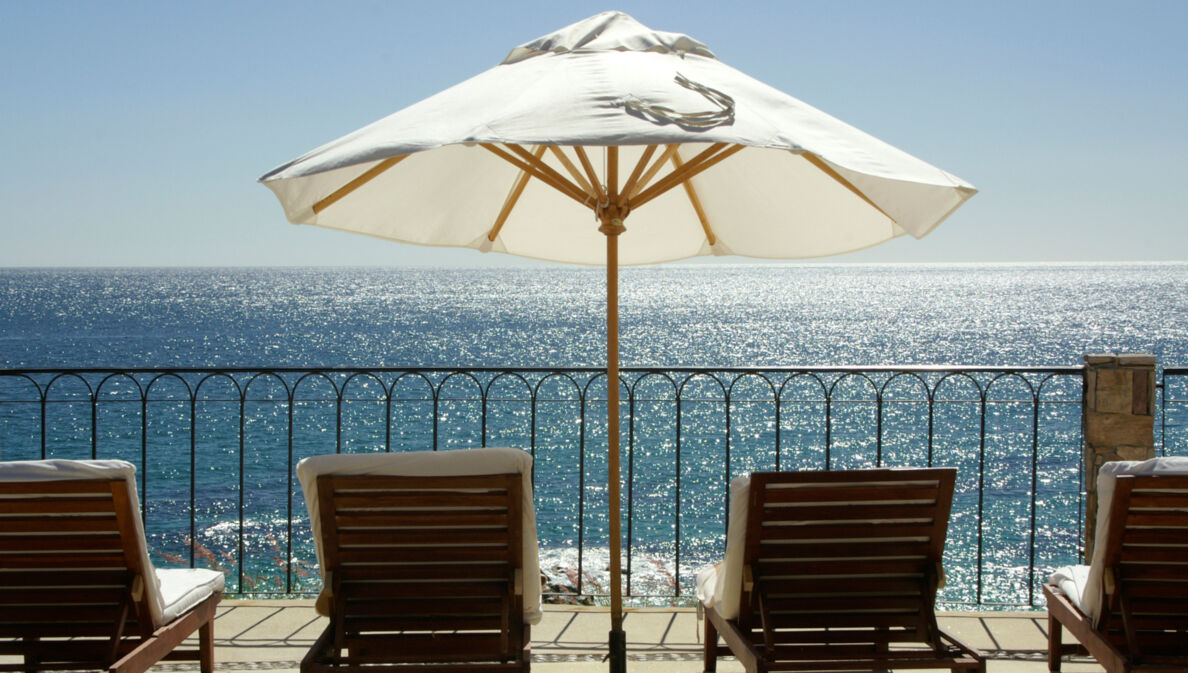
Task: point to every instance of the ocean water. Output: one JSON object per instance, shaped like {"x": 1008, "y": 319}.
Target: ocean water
{"x": 674, "y": 315}
{"x": 671, "y": 316}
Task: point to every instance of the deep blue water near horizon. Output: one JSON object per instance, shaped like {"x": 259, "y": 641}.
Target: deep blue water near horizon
{"x": 671, "y": 316}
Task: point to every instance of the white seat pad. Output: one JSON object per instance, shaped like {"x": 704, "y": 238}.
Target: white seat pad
{"x": 183, "y": 588}
{"x": 720, "y": 586}
{"x": 1071, "y": 580}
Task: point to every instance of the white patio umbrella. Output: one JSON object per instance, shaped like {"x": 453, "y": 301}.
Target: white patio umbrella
{"x": 548, "y": 153}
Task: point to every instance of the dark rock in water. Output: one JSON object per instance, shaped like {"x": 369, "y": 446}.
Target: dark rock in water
{"x": 559, "y": 587}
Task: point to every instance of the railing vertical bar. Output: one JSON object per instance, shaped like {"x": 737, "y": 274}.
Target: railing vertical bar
{"x": 484, "y": 392}
{"x": 1162, "y": 392}
{"x": 726, "y": 440}
{"x": 44, "y": 455}
{"x": 242, "y": 483}
{"x": 532, "y": 434}
{"x": 827, "y": 403}
{"x": 678, "y": 401}
{"x": 436, "y": 412}
{"x": 388, "y": 417}
{"x": 143, "y": 455}
{"x": 931, "y": 426}
{"x": 1034, "y": 485}
{"x": 879, "y": 428}
{"x": 581, "y": 575}
{"x": 779, "y": 430}
{"x": 193, "y": 474}
{"x": 289, "y": 499}
{"x": 1081, "y": 471}
{"x": 631, "y": 482}
{"x": 339, "y": 394}
{"x": 94, "y": 425}
{"x": 981, "y": 491}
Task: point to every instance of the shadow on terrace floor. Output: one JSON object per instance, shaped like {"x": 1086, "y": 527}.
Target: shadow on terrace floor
{"x": 274, "y": 636}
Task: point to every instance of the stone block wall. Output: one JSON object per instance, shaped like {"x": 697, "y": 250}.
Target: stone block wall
{"x": 1119, "y": 420}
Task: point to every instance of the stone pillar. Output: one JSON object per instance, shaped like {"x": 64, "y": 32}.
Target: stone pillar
{"x": 1119, "y": 420}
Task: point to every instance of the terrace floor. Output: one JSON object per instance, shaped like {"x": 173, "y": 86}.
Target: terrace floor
{"x": 274, "y": 635}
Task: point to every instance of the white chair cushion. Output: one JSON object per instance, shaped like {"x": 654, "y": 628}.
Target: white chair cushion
{"x": 1071, "y": 580}
{"x": 460, "y": 462}
{"x": 183, "y": 588}
{"x": 719, "y": 586}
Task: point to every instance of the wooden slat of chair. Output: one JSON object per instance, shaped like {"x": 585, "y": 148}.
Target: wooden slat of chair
{"x": 379, "y": 520}
{"x": 424, "y": 573}
{"x": 63, "y": 524}
{"x": 395, "y": 572}
{"x": 417, "y": 605}
{"x": 850, "y": 549}
{"x": 68, "y": 563}
{"x": 855, "y": 512}
{"x": 817, "y": 635}
{"x": 841, "y": 566}
{"x": 841, "y": 531}
{"x": 420, "y": 647}
{"x": 460, "y": 586}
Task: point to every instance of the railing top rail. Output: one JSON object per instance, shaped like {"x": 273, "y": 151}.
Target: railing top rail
{"x": 1075, "y": 369}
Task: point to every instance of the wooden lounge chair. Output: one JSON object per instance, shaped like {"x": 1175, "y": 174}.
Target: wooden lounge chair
{"x": 1129, "y": 607}
{"x": 833, "y": 571}
{"x": 428, "y": 560}
{"x": 77, "y": 589}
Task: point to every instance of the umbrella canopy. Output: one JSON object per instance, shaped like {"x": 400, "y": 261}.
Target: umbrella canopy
{"x": 548, "y": 153}
{"x": 806, "y": 185}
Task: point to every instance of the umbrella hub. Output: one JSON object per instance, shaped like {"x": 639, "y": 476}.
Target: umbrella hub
{"x": 612, "y": 217}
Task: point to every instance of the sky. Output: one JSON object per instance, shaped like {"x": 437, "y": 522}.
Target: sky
{"x": 133, "y": 133}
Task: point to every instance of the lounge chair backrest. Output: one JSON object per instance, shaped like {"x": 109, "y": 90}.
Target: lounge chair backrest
{"x": 71, "y": 538}
{"x": 840, "y": 550}
{"x": 1108, "y": 478}
{"x": 467, "y": 462}
{"x": 1145, "y": 567}
{"x": 419, "y": 554}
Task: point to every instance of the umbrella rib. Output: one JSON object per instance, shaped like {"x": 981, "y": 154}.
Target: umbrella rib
{"x": 828, "y": 170}
{"x": 541, "y": 166}
{"x": 651, "y": 172}
{"x": 543, "y": 173}
{"x": 367, "y": 176}
{"x": 513, "y": 197}
{"x": 599, "y": 195}
{"x": 629, "y": 186}
{"x": 695, "y": 200}
{"x": 710, "y": 157}
{"x": 612, "y": 174}
{"x": 573, "y": 170}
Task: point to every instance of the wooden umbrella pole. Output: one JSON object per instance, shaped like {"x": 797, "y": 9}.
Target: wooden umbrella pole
{"x": 612, "y": 227}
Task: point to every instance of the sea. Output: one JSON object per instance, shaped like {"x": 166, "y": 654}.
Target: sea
{"x": 677, "y": 315}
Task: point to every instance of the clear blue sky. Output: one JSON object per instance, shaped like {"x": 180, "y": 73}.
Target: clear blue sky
{"x": 133, "y": 133}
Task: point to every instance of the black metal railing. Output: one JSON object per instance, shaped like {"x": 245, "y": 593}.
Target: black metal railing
{"x": 216, "y": 451}
{"x": 1172, "y": 393}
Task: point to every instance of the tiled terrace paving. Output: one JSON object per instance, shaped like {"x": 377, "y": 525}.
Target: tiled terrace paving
{"x": 275, "y": 635}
